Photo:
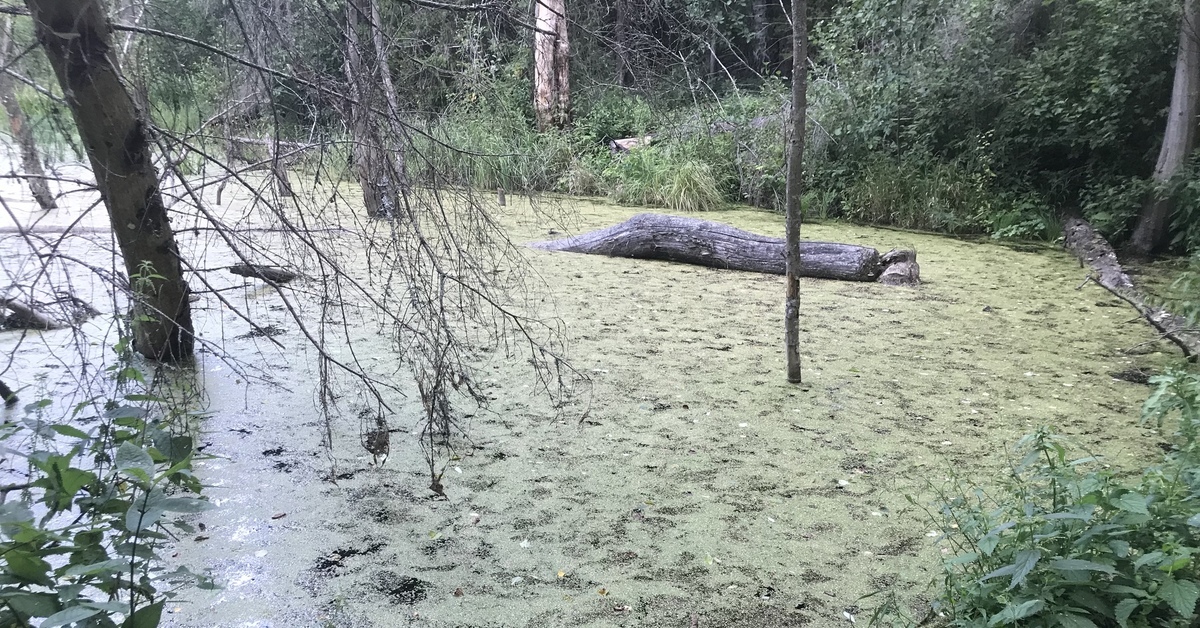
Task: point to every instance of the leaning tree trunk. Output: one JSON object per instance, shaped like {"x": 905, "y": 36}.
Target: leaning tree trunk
{"x": 706, "y": 243}
{"x": 21, "y": 130}
{"x": 795, "y": 187}
{"x": 396, "y": 146}
{"x": 1179, "y": 140}
{"x": 77, "y": 39}
{"x": 551, "y": 67}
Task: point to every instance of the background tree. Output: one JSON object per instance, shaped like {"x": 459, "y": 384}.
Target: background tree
{"x": 20, "y": 126}
{"x": 1152, "y": 233}
{"x": 551, "y": 63}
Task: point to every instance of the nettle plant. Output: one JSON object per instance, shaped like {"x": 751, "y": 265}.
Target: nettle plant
{"x": 1066, "y": 544}
{"x": 79, "y": 540}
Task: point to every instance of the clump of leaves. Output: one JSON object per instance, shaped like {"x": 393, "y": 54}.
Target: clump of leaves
{"x": 79, "y": 540}
{"x": 1065, "y": 544}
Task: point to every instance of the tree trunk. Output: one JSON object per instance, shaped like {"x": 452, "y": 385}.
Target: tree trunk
{"x": 760, "y": 27}
{"x": 77, "y": 39}
{"x": 19, "y": 124}
{"x": 706, "y": 243}
{"x": 551, "y": 67}
{"x": 396, "y": 147}
{"x": 1152, "y": 232}
{"x": 795, "y": 187}
{"x": 369, "y": 158}
{"x": 621, "y": 41}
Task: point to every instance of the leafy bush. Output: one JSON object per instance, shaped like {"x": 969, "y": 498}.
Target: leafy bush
{"x": 79, "y": 541}
{"x": 1061, "y": 544}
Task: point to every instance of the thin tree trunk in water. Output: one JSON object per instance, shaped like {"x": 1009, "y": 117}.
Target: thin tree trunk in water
{"x": 795, "y": 187}
{"x": 1179, "y": 140}
{"x": 21, "y": 131}
{"x": 395, "y": 151}
{"x": 551, "y": 67}
{"x": 77, "y": 39}
{"x": 368, "y": 157}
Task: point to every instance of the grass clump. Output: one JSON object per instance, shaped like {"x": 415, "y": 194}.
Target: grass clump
{"x": 662, "y": 178}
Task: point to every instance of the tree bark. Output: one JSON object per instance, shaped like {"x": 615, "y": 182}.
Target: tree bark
{"x": 77, "y": 39}
{"x": 795, "y": 188}
{"x": 621, "y": 41}
{"x": 760, "y": 27}
{"x": 1179, "y": 140}
{"x": 22, "y": 132}
{"x": 551, "y": 67}
{"x": 1092, "y": 249}
{"x": 374, "y": 166}
{"x": 396, "y": 147}
{"x": 706, "y": 243}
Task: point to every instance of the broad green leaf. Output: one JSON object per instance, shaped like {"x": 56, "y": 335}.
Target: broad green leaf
{"x": 67, "y": 430}
{"x": 1024, "y": 563}
{"x": 1124, "y": 609}
{"x": 1016, "y": 611}
{"x": 1074, "y": 621}
{"x": 1132, "y": 502}
{"x": 33, "y": 604}
{"x": 137, "y": 520}
{"x": 1194, "y": 520}
{"x": 131, "y": 457}
{"x": 1181, "y": 595}
{"x": 107, "y": 566}
{"x": 69, "y": 616}
{"x": 28, "y": 567}
{"x": 1073, "y": 564}
{"x": 988, "y": 544}
{"x": 126, "y": 412}
{"x": 145, "y": 617}
{"x": 15, "y": 512}
{"x": 1151, "y": 558}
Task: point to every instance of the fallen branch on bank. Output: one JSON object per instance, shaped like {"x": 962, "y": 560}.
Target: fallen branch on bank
{"x": 1092, "y": 249}
{"x": 706, "y": 243}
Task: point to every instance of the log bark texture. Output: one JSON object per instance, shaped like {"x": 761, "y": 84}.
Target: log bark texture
{"x": 1092, "y": 249}
{"x": 254, "y": 271}
{"x": 706, "y": 243}
{"x": 7, "y": 394}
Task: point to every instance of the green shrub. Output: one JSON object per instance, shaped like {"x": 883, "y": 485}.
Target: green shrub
{"x": 1064, "y": 544}
{"x": 80, "y": 540}
{"x": 920, "y": 192}
{"x": 650, "y": 176}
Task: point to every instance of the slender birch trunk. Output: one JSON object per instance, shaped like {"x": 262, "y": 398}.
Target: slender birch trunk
{"x": 795, "y": 187}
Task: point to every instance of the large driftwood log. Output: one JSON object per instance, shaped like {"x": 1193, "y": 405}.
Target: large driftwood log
{"x": 1092, "y": 249}
{"x": 705, "y": 243}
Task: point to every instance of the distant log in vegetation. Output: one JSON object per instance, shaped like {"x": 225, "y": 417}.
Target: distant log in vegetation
{"x": 1092, "y": 249}
{"x": 706, "y": 243}
{"x": 7, "y": 394}
{"x": 274, "y": 275}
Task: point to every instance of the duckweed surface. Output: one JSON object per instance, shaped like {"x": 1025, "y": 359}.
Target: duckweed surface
{"x": 693, "y": 486}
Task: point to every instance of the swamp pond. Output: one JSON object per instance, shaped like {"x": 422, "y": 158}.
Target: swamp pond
{"x": 692, "y": 487}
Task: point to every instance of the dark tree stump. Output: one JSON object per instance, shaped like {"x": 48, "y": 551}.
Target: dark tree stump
{"x": 706, "y": 243}
{"x": 7, "y": 395}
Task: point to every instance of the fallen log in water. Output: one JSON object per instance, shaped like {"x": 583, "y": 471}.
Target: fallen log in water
{"x": 23, "y": 316}
{"x": 706, "y": 243}
{"x": 1092, "y": 249}
{"x": 274, "y": 275}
